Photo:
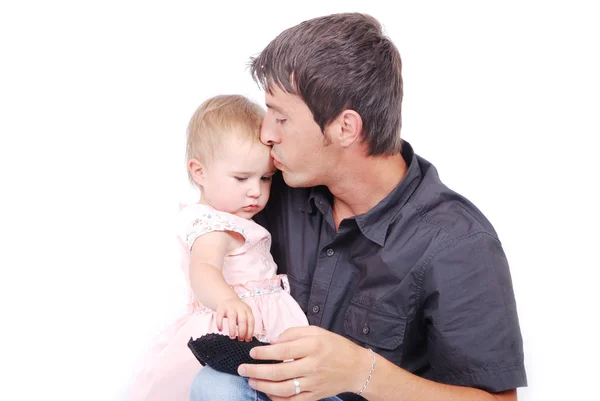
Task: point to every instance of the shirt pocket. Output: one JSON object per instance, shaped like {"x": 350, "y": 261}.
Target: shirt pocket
{"x": 380, "y": 331}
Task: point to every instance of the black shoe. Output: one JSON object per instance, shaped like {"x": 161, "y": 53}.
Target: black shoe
{"x": 224, "y": 354}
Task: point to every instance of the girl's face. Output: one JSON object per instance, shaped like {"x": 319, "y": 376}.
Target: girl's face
{"x": 238, "y": 178}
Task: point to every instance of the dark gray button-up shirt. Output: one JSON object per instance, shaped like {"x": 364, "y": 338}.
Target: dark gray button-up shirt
{"x": 421, "y": 278}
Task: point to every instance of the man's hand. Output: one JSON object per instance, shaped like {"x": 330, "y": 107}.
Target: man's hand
{"x": 325, "y": 364}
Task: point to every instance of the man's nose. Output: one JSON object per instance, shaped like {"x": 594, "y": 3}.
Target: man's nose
{"x": 268, "y": 133}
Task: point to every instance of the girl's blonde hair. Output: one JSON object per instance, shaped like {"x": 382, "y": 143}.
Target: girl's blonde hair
{"x": 217, "y": 118}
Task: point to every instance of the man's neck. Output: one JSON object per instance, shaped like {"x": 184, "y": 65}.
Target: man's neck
{"x": 361, "y": 186}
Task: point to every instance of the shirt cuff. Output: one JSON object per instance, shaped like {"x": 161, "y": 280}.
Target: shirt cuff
{"x": 492, "y": 381}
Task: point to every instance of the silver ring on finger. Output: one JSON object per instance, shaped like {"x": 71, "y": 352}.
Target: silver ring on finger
{"x": 297, "y": 385}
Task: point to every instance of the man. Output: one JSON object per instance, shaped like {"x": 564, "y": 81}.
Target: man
{"x": 405, "y": 283}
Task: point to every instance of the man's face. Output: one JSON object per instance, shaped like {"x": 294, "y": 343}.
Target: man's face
{"x": 300, "y": 150}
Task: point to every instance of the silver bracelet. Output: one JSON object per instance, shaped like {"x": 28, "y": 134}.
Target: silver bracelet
{"x": 364, "y": 387}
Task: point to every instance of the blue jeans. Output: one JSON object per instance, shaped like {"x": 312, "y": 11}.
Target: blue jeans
{"x": 211, "y": 385}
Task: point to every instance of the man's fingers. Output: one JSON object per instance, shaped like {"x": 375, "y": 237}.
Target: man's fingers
{"x": 285, "y": 388}
{"x": 275, "y": 372}
{"x": 303, "y": 396}
{"x": 296, "y": 349}
{"x": 295, "y": 333}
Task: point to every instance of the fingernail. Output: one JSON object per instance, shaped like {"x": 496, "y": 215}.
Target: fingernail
{"x": 252, "y": 383}
{"x": 241, "y": 370}
{"x": 252, "y": 353}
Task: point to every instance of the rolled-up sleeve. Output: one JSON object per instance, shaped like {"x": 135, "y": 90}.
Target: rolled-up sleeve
{"x": 469, "y": 308}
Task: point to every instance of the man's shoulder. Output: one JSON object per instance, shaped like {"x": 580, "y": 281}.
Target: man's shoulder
{"x": 433, "y": 205}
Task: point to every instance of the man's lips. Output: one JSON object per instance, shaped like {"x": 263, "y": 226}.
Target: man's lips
{"x": 275, "y": 161}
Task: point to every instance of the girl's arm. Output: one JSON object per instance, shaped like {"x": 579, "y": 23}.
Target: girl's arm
{"x": 209, "y": 286}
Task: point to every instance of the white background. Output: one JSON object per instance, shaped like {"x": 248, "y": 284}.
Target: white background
{"x": 94, "y": 100}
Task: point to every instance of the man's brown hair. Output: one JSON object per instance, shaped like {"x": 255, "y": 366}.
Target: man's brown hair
{"x": 335, "y": 63}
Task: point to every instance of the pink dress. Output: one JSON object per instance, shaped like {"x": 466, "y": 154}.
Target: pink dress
{"x": 170, "y": 367}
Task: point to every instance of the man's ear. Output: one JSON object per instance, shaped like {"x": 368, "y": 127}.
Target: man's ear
{"x": 197, "y": 171}
{"x": 350, "y": 125}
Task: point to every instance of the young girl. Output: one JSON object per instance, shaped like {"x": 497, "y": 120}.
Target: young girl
{"x": 234, "y": 287}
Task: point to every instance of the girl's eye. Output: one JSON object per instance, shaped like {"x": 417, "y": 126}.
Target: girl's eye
{"x": 280, "y": 121}
{"x": 241, "y": 179}
{"x": 266, "y": 178}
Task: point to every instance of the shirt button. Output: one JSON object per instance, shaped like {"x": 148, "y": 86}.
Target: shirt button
{"x": 316, "y": 309}
{"x": 366, "y": 330}
{"x": 330, "y": 252}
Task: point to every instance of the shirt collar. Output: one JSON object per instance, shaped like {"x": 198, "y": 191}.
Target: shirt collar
{"x": 374, "y": 223}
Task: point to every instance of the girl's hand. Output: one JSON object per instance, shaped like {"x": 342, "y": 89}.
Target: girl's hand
{"x": 237, "y": 313}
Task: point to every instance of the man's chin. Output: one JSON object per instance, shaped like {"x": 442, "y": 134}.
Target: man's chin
{"x": 292, "y": 180}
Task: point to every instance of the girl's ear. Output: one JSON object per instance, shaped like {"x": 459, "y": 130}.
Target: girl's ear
{"x": 197, "y": 171}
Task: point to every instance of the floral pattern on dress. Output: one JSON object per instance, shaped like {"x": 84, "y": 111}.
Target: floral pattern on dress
{"x": 209, "y": 222}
